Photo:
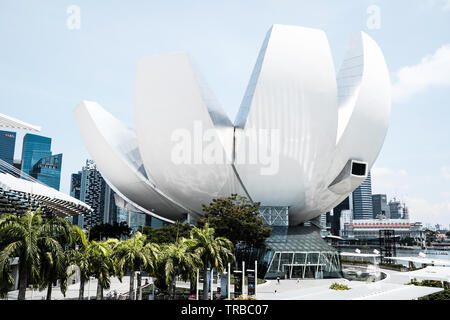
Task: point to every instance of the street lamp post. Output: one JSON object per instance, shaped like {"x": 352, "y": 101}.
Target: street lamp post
{"x": 229, "y": 280}
{"x": 212, "y": 284}
{"x": 89, "y": 288}
{"x": 243, "y": 278}
{"x": 196, "y": 284}
{"x": 256, "y": 277}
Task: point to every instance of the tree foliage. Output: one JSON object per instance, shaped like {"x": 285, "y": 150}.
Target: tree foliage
{"x": 35, "y": 242}
{"x": 237, "y": 219}
{"x": 106, "y": 231}
{"x": 168, "y": 233}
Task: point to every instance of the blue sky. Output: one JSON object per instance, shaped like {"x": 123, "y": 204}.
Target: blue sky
{"x": 46, "y": 69}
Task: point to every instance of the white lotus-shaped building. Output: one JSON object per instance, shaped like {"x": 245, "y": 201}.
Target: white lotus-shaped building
{"x": 304, "y": 137}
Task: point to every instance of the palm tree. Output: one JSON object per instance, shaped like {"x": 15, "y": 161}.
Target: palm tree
{"x": 54, "y": 264}
{"x": 180, "y": 259}
{"x": 27, "y": 237}
{"x": 214, "y": 252}
{"x": 101, "y": 264}
{"x": 134, "y": 255}
{"x": 78, "y": 259}
{"x": 153, "y": 251}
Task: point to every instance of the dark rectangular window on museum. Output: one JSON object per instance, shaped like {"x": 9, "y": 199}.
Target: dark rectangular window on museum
{"x": 358, "y": 169}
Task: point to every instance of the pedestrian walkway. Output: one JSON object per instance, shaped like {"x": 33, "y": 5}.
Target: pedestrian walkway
{"x": 393, "y": 287}
{"x": 72, "y": 293}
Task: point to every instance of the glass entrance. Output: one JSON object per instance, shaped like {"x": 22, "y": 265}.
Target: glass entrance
{"x": 310, "y": 272}
{"x": 297, "y": 272}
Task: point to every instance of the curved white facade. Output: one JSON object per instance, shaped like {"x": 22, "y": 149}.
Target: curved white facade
{"x": 303, "y": 138}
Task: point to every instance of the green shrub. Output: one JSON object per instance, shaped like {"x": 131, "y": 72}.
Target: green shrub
{"x": 429, "y": 283}
{"x": 442, "y": 295}
{"x": 346, "y": 260}
{"x": 338, "y": 286}
{"x": 392, "y": 265}
{"x": 242, "y": 298}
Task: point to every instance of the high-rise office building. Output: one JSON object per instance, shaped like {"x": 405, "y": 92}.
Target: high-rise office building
{"x": 380, "y": 206}
{"x": 34, "y": 148}
{"x": 334, "y": 217}
{"x": 362, "y": 200}
{"x": 395, "y": 208}
{"x": 48, "y": 170}
{"x": 405, "y": 212}
{"x": 75, "y": 185}
{"x": 7, "y": 145}
{"x": 38, "y": 161}
{"x": 92, "y": 192}
{"x": 75, "y": 189}
{"x": 110, "y": 208}
{"x": 89, "y": 186}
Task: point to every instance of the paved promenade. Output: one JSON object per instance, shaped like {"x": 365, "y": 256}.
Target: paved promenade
{"x": 90, "y": 290}
{"x": 393, "y": 287}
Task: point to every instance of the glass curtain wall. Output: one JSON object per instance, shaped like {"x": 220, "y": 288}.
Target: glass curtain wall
{"x": 304, "y": 265}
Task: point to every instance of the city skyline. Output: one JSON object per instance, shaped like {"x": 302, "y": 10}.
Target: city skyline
{"x": 414, "y": 164}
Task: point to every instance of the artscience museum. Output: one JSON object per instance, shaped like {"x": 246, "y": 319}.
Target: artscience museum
{"x": 304, "y": 138}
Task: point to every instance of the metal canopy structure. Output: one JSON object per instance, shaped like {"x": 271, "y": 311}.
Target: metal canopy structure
{"x": 300, "y": 252}
{"x": 20, "y": 192}
{"x": 10, "y": 122}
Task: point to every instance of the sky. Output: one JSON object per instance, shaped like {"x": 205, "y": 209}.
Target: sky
{"x": 50, "y": 61}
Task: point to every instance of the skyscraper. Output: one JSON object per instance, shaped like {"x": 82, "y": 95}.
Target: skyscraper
{"x": 380, "y": 206}
{"x": 89, "y": 186}
{"x": 405, "y": 212}
{"x": 48, "y": 170}
{"x": 395, "y": 207}
{"x": 38, "y": 161}
{"x": 7, "y": 145}
{"x": 75, "y": 185}
{"x": 335, "y": 217}
{"x": 75, "y": 188}
{"x": 92, "y": 192}
{"x": 34, "y": 148}
{"x": 362, "y": 200}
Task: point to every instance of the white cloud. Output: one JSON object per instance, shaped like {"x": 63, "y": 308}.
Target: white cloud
{"x": 409, "y": 189}
{"x": 445, "y": 170}
{"x": 380, "y": 171}
{"x": 446, "y": 6}
{"x": 443, "y": 4}
{"x": 393, "y": 183}
{"x": 432, "y": 71}
{"x": 428, "y": 212}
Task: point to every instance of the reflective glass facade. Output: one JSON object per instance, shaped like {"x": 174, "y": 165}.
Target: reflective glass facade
{"x": 300, "y": 252}
{"x": 34, "y": 148}
{"x": 48, "y": 170}
{"x": 7, "y": 144}
{"x": 362, "y": 200}
{"x": 275, "y": 216}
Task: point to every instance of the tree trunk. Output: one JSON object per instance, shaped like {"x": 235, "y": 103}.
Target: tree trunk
{"x": 99, "y": 291}
{"x": 49, "y": 291}
{"x": 81, "y": 295}
{"x": 193, "y": 284}
{"x": 23, "y": 278}
{"x": 131, "y": 297}
{"x": 139, "y": 283}
{"x": 205, "y": 284}
{"x": 174, "y": 288}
